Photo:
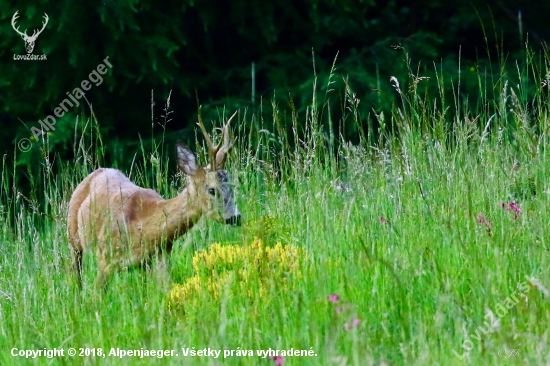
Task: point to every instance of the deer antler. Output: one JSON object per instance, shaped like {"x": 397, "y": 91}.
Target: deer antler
{"x": 217, "y": 154}
{"x": 35, "y": 33}
{"x": 13, "y": 19}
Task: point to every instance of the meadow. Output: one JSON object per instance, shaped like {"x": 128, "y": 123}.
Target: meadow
{"x": 422, "y": 244}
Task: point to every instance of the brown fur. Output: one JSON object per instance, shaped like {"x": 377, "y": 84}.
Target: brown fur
{"x": 127, "y": 224}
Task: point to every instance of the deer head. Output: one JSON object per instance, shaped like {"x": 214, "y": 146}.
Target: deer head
{"x": 29, "y": 40}
{"x": 211, "y": 185}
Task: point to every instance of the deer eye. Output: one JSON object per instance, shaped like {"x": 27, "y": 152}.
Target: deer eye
{"x": 212, "y": 192}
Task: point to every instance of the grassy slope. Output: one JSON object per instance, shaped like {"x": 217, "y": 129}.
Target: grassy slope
{"x": 392, "y": 230}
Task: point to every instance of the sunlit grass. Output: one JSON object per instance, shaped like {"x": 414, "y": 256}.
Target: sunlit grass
{"x": 379, "y": 253}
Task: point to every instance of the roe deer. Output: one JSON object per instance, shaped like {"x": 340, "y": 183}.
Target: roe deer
{"x": 127, "y": 224}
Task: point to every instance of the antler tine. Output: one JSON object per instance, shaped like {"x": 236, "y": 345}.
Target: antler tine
{"x": 13, "y": 19}
{"x": 36, "y": 32}
{"x": 45, "y": 23}
{"x": 225, "y": 132}
{"x": 217, "y": 154}
{"x": 224, "y": 145}
{"x": 211, "y": 149}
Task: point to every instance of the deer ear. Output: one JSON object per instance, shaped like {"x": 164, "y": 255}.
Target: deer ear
{"x": 187, "y": 162}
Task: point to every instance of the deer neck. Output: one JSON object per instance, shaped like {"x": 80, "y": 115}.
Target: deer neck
{"x": 179, "y": 214}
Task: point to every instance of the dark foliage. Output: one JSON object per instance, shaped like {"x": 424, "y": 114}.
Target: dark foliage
{"x": 207, "y": 48}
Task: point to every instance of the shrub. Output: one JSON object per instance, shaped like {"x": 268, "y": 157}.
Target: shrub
{"x": 250, "y": 270}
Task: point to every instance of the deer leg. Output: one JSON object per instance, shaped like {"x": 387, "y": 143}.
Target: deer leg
{"x": 104, "y": 269}
{"x": 162, "y": 272}
{"x": 102, "y": 277}
{"x": 77, "y": 265}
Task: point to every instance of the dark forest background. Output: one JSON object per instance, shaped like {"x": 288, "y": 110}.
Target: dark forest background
{"x": 210, "y": 49}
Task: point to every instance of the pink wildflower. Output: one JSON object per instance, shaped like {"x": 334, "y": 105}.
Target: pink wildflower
{"x": 480, "y": 218}
{"x": 383, "y": 220}
{"x": 484, "y": 220}
{"x": 354, "y": 323}
{"x": 515, "y": 207}
{"x": 278, "y": 360}
{"x": 511, "y": 206}
{"x": 338, "y": 310}
{"x": 333, "y": 298}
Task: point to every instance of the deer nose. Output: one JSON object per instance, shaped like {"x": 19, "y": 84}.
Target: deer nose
{"x": 234, "y": 220}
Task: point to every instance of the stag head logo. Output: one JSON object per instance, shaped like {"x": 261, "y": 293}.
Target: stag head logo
{"x": 29, "y": 40}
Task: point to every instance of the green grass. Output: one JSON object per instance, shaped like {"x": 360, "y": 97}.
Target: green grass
{"x": 390, "y": 225}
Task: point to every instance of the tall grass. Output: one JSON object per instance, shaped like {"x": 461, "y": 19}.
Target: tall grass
{"x": 413, "y": 229}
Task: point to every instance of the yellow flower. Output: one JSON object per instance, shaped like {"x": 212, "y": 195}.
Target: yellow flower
{"x": 250, "y": 267}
